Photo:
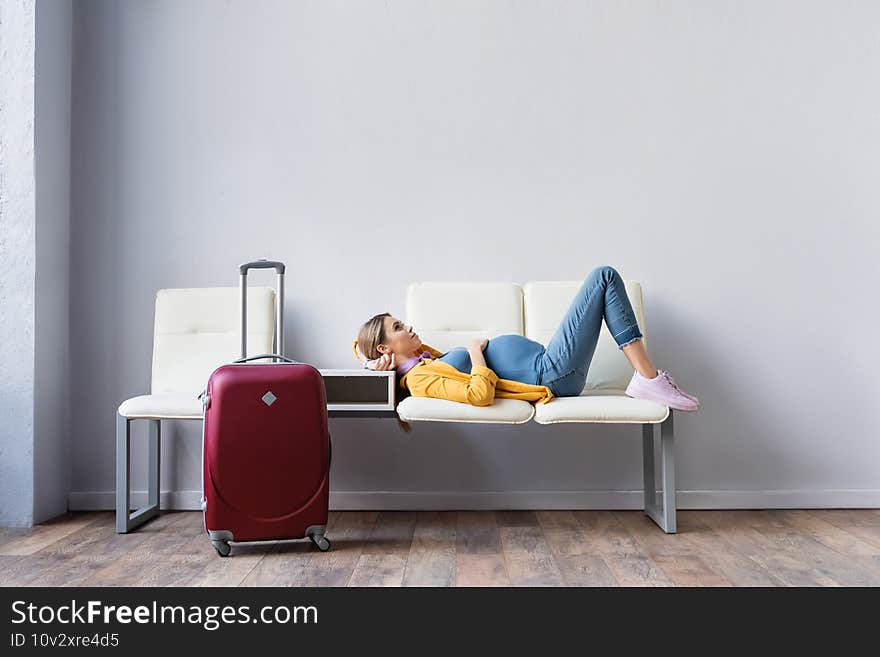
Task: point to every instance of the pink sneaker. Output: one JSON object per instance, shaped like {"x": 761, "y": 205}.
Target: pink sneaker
{"x": 661, "y": 389}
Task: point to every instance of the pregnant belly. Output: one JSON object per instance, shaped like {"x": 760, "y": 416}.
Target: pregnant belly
{"x": 510, "y": 356}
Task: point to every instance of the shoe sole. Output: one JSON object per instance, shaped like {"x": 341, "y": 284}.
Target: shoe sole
{"x": 666, "y": 403}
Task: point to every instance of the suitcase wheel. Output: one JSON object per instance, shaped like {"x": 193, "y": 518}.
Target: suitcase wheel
{"x": 321, "y": 541}
{"x": 222, "y": 547}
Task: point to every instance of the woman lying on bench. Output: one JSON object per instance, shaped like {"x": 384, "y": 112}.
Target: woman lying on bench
{"x": 513, "y": 366}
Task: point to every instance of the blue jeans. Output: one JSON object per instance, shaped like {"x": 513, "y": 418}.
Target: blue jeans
{"x": 567, "y": 358}
{"x": 562, "y": 365}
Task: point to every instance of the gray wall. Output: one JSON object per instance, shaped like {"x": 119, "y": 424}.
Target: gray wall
{"x": 724, "y": 154}
{"x": 52, "y": 308}
{"x": 17, "y": 262}
{"x": 35, "y": 39}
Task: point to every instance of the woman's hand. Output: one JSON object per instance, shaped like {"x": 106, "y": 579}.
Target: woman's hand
{"x": 383, "y": 363}
{"x": 475, "y": 351}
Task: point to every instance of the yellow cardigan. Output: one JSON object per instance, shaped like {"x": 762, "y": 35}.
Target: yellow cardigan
{"x": 433, "y": 378}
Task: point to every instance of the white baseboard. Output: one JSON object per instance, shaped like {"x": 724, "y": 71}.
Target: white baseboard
{"x": 188, "y": 500}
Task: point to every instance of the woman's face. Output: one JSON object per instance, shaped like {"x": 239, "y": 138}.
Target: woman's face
{"x": 399, "y": 338}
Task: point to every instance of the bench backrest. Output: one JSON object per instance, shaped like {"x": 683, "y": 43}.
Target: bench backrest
{"x": 198, "y": 329}
{"x": 450, "y": 314}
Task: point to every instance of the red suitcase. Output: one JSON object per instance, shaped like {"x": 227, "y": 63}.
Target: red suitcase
{"x": 266, "y": 444}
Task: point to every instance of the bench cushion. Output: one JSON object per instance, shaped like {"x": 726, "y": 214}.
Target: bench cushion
{"x": 611, "y": 407}
{"x": 447, "y": 315}
{"x": 198, "y": 329}
{"x": 167, "y": 405}
{"x": 430, "y": 409}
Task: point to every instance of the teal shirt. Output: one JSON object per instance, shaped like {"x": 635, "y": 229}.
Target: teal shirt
{"x": 510, "y": 356}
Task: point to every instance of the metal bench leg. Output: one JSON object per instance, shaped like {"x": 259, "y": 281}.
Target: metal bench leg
{"x": 663, "y": 515}
{"x": 155, "y": 476}
{"x": 125, "y": 520}
{"x": 123, "y": 489}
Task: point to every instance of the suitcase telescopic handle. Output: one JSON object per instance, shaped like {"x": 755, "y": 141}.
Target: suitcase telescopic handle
{"x": 278, "y": 356}
{"x": 278, "y": 344}
{"x": 261, "y": 264}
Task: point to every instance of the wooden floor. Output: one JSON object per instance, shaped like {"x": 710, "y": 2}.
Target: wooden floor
{"x": 464, "y": 548}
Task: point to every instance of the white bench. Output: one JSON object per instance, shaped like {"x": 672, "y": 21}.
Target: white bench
{"x": 450, "y": 314}
{"x": 198, "y": 329}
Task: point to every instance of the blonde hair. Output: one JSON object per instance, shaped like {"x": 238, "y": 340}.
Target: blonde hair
{"x": 370, "y": 336}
